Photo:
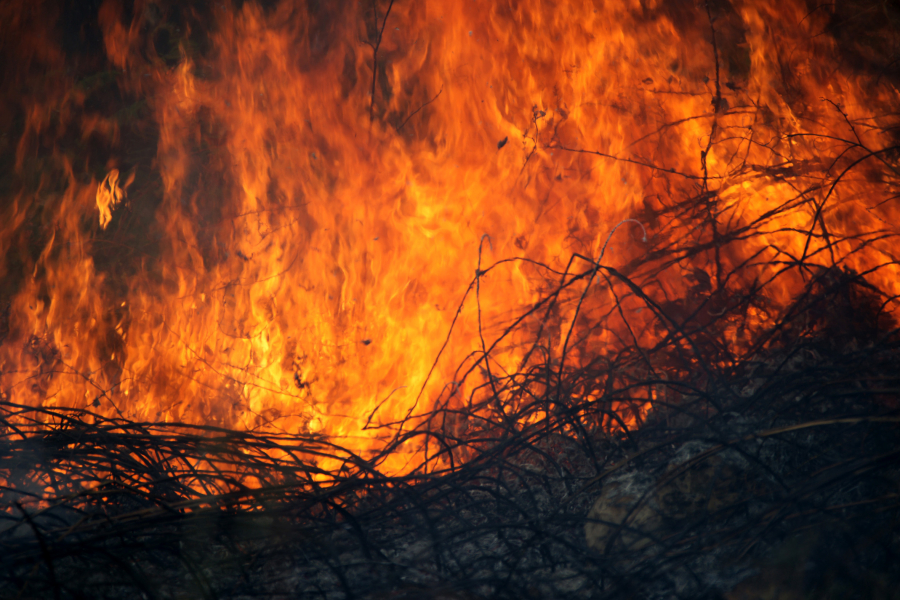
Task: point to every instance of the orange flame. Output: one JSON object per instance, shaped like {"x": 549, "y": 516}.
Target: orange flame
{"x": 328, "y": 180}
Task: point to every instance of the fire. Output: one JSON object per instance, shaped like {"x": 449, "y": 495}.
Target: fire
{"x": 109, "y": 196}
{"x": 326, "y": 181}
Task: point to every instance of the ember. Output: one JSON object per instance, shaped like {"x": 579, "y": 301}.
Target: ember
{"x": 283, "y": 260}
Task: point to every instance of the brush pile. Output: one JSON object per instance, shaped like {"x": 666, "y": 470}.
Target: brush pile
{"x": 782, "y": 467}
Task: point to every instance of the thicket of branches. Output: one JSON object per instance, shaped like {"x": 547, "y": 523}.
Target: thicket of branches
{"x": 800, "y": 430}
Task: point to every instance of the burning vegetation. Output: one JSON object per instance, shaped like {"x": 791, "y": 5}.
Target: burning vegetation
{"x": 449, "y": 299}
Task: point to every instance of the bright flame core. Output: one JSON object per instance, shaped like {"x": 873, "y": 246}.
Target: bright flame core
{"x": 326, "y": 183}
